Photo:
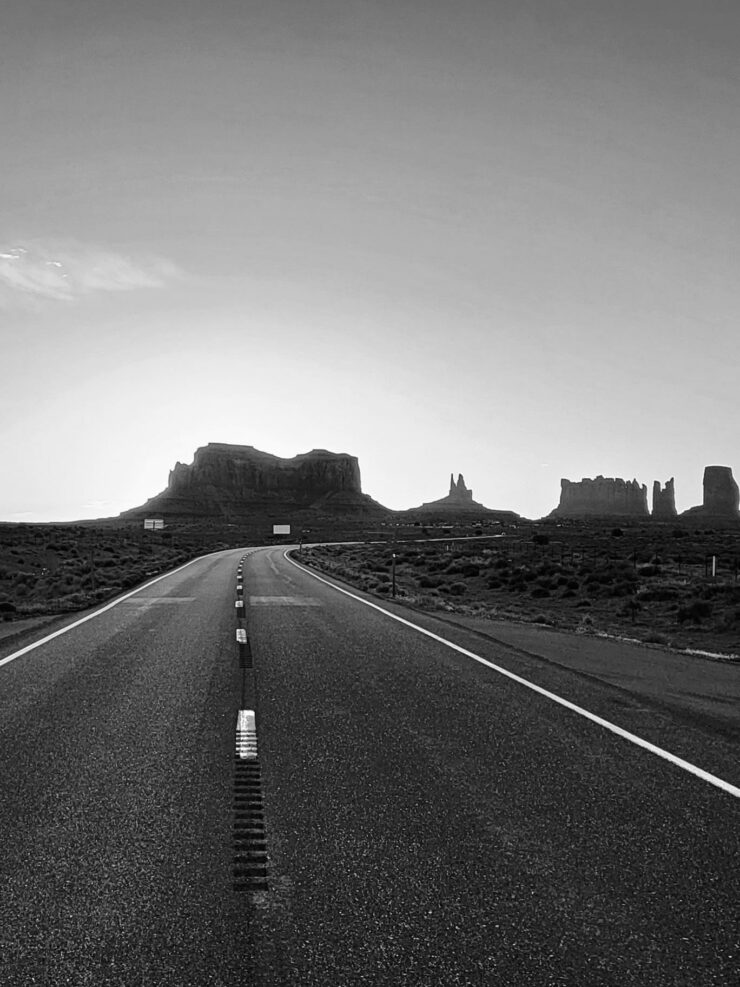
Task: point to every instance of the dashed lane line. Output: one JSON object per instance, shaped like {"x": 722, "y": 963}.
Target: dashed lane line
{"x": 679, "y": 762}
{"x": 246, "y": 735}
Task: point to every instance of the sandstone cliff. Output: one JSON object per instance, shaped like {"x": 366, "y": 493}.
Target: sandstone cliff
{"x": 602, "y": 496}
{"x": 664, "y": 500}
{"x": 721, "y": 495}
{"x": 230, "y": 480}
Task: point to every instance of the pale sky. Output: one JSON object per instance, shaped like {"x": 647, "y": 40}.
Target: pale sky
{"x": 496, "y": 237}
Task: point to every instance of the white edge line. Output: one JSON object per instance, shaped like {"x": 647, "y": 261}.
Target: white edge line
{"x": 96, "y": 613}
{"x": 625, "y": 734}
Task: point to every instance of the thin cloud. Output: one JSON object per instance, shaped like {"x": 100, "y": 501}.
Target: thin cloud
{"x": 65, "y": 271}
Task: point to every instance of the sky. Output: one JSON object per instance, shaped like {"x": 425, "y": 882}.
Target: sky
{"x": 494, "y": 237}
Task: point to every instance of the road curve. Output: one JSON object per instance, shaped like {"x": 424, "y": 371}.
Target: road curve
{"x": 426, "y": 820}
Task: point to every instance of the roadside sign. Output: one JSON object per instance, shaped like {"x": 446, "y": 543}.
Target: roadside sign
{"x": 281, "y": 529}
{"x": 153, "y": 524}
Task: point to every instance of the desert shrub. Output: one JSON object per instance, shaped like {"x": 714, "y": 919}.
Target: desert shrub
{"x": 617, "y": 533}
{"x": 540, "y": 539}
{"x": 695, "y": 611}
{"x": 457, "y": 589}
{"x": 582, "y": 604}
{"x": 469, "y": 570}
{"x": 712, "y": 590}
{"x": 7, "y": 607}
{"x": 655, "y": 638}
{"x": 501, "y": 563}
{"x": 438, "y": 566}
{"x": 647, "y": 570}
{"x": 429, "y": 582}
{"x": 568, "y": 593}
{"x": 658, "y": 594}
{"x": 539, "y": 592}
{"x": 494, "y": 583}
{"x": 383, "y": 588}
{"x": 622, "y": 588}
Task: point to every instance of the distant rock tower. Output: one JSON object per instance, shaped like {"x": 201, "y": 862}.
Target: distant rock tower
{"x": 664, "y": 500}
{"x": 721, "y": 495}
{"x": 460, "y": 499}
{"x": 459, "y": 493}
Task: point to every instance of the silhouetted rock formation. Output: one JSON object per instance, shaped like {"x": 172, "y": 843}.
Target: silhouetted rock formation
{"x": 601, "y": 496}
{"x": 721, "y": 495}
{"x": 460, "y": 501}
{"x": 459, "y": 493}
{"x": 458, "y": 498}
{"x": 664, "y": 500}
{"x": 235, "y": 481}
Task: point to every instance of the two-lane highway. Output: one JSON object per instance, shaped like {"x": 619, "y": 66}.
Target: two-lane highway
{"x": 427, "y": 820}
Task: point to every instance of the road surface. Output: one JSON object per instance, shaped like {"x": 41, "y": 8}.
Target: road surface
{"x": 413, "y": 816}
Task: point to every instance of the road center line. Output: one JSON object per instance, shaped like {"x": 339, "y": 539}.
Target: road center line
{"x": 606, "y": 724}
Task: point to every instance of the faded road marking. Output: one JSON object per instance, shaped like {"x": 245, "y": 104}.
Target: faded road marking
{"x": 284, "y": 601}
{"x": 96, "y": 613}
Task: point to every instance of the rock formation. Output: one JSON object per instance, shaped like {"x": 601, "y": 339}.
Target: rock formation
{"x": 459, "y": 493}
{"x": 721, "y": 496}
{"x": 602, "y": 496}
{"x": 460, "y": 500}
{"x": 664, "y": 500}
{"x": 232, "y": 481}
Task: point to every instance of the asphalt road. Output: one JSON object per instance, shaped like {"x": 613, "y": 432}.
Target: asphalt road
{"x": 425, "y": 819}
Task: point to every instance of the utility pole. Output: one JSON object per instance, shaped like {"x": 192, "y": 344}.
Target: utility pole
{"x": 393, "y": 574}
